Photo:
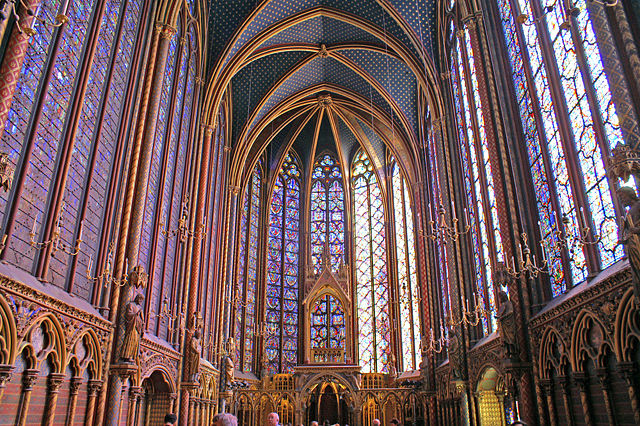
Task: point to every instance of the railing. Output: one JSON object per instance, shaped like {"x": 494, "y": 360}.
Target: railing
{"x": 328, "y": 355}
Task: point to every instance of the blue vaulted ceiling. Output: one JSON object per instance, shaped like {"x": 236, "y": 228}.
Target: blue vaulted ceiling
{"x": 265, "y": 53}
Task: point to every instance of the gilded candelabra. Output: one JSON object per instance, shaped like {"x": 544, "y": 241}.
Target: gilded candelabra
{"x": 469, "y": 318}
{"x": 442, "y": 230}
{"x": 434, "y": 345}
{"x": 55, "y": 242}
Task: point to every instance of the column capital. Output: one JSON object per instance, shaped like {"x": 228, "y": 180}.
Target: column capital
{"x": 29, "y": 378}
{"x": 166, "y": 31}
{"x": 95, "y": 386}
{"x": 5, "y": 374}
{"x": 74, "y": 385}
{"x": 54, "y": 380}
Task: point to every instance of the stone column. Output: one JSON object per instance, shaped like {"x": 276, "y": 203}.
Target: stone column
{"x": 29, "y": 378}
{"x": 14, "y": 58}
{"x": 5, "y": 376}
{"x": 74, "y": 388}
{"x": 603, "y": 375}
{"x": 628, "y": 371}
{"x": 53, "y": 386}
{"x": 563, "y": 381}
{"x": 582, "y": 381}
{"x": 547, "y": 385}
{"x": 134, "y": 394}
{"x": 94, "y": 388}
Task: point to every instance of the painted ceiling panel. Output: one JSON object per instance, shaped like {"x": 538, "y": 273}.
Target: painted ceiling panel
{"x": 421, "y": 17}
{"x": 374, "y": 139}
{"x": 394, "y": 75}
{"x": 254, "y": 81}
{"x": 348, "y": 140}
{"x": 321, "y": 30}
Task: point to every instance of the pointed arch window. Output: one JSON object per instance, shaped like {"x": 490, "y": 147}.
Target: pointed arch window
{"x": 91, "y": 143}
{"x": 405, "y": 251}
{"x": 485, "y": 232}
{"x": 281, "y": 324}
{"x": 247, "y": 273}
{"x": 327, "y": 212}
{"x": 372, "y": 284}
{"x": 566, "y": 161}
{"x": 328, "y": 323}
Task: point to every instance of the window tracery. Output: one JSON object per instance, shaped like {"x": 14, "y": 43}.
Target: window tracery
{"x": 281, "y": 324}
{"x": 570, "y": 160}
{"x": 372, "y": 285}
{"x": 327, "y": 212}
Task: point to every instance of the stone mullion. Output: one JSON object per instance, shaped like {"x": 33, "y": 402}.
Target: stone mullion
{"x": 614, "y": 71}
{"x": 14, "y": 55}
{"x": 96, "y": 139}
{"x": 565, "y": 132}
{"x": 199, "y": 185}
{"x": 111, "y": 218}
{"x": 74, "y": 388}
{"x": 156, "y": 234}
{"x": 65, "y": 150}
{"x": 31, "y": 134}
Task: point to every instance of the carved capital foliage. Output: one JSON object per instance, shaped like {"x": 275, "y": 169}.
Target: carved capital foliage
{"x": 167, "y": 31}
{"x": 74, "y": 385}
{"x": 54, "y": 380}
{"x": 95, "y": 386}
{"x": 5, "y": 374}
{"x": 29, "y": 378}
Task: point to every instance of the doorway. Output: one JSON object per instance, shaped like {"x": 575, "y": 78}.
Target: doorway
{"x": 328, "y": 401}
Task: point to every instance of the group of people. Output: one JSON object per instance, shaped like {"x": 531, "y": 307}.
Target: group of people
{"x": 227, "y": 419}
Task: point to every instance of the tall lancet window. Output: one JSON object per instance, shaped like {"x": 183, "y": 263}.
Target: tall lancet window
{"x": 327, "y": 212}
{"x": 372, "y": 285}
{"x": 247, "y": 273}
{"x": 408, "y": 289}
{"x": 565, "y": 162}
{"x": 281, "y": 327}
{"x": 478, "y": 176}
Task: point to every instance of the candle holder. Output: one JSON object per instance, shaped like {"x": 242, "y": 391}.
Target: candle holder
{"x": 56, "y": 242}
{"x": 443, "y": 231}
{"x": 182, "y": 232}
{"x": 528, "y": 263}
{"x": 433, "y": 345}
{"x": 469, "y": 318}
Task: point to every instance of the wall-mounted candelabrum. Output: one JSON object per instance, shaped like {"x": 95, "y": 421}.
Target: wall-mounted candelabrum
{"x": 433, "y": 345}
{"x": 55, "y": 242}
{"x": 562, "y": 239}
{"x": 443, "y": 231}
{"x": 106, "y": 276}
{"x": 182, "y": 231}
{"x": 468, "y": 318}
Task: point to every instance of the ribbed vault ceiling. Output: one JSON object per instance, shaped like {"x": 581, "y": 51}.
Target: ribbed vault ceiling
{"x": 278, "y": 60}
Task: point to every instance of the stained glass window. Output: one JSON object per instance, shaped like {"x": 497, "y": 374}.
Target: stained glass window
{"x": 327, "y": 323}
{"x": 372, "y": 285}
{"x": 281, "y": 340}
{"x": 91, "y": 152}
{"x": 327, "y": 212}
{"x": 408, "y": 289}
{"x": 247, "y": 273}
{"x": 572, "y": 160}
{"x": 478, "y": 177}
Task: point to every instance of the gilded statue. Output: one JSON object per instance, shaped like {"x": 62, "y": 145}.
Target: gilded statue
{"x": 507, "y": 325}
{"x": 456, "y": 356}
{"x": 133, "y": 323}
{"x": 193, "y": 360}
{"x": 228, "y": 371}
{"x": 629, "y": 231}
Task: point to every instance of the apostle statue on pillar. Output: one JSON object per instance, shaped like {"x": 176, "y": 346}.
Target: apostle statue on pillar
{"x": 507, "y": 325}
{"x": 629, "y": 231}
{"x": 194, "y": 352}
{"x": 133, "y": 324}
